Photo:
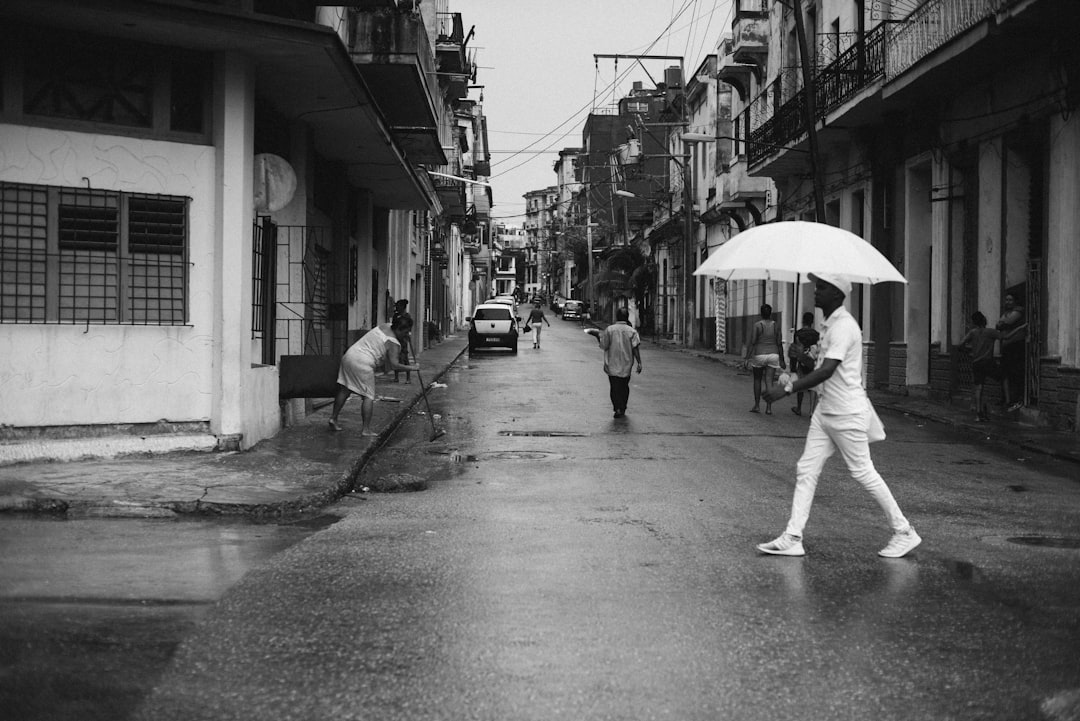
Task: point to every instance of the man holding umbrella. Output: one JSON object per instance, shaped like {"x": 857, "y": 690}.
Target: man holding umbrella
{"x": 840, "y": 423}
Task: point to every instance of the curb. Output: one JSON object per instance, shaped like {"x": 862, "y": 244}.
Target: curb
{"x": 1022, "y": 444}
{"x": 343, "y": 485}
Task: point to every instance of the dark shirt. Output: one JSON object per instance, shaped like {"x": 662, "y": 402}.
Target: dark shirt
{"x": 981, "y": 341}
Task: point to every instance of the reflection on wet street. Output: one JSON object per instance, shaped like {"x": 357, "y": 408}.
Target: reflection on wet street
{"x": 92, "y": 610}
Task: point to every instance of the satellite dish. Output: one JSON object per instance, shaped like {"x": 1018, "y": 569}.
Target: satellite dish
{"x": 275, "y": 182}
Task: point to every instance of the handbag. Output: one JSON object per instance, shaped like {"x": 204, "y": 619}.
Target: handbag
{"x": 875, "y": 429}
{"x": 526, "y": 328}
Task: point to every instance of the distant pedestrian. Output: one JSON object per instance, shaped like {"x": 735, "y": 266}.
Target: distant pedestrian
{"x": 801, "y": 355}
{"x": 621, "y": 346}
{"x": 1013, "y": 327}
{"x": 842, "y": 422}
{"x": 380, "y": 345}
{"x": 763, "y": 356}
{"x": 403, "y": 357}
{"x": 536, "y": 321}
{"x": 980, "y": 341}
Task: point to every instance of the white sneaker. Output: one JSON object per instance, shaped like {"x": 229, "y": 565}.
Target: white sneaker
{"x": 901, "y": 544}
{"x": 783, "y": 545}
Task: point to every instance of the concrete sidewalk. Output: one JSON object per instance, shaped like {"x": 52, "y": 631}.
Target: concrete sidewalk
{"x": 302, "y": 468}
{"x": 1003, "y": 428}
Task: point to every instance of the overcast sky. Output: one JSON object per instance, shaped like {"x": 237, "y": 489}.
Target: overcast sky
{"x": 535, "y": 61}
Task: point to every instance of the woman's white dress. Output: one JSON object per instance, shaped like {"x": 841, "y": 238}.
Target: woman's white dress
{"x": 357, "y": 371}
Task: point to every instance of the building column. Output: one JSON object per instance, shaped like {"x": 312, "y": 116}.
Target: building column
{"x": 234, "y": 103}
{"x": 1063, "y": 256}
{"x": 988, "y": 263}
{"x": 918, "y": 249}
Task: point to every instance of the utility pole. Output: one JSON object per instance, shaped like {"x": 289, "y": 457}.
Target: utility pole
{"x": 588, "y": 242}
{"x": 689, "y": 248}
{"x": 809, "y": 104}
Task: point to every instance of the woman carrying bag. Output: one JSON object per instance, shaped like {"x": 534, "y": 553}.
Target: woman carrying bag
{"x": 764, "y": 355}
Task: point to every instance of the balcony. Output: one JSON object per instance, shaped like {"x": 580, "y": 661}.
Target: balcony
{"x": 739, "y": 75}
{"x": 438, "y": 248}
{"x": 750, "y": 32}
{"x": 455, "y": 60}
{"x": 451, "y": 192}
{"x": 932, "y": 26}
{"x": 777, "y": 119}
{"x": 391, "y": 51}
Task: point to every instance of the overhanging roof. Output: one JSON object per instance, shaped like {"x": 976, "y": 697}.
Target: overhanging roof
{"x": 303, "y": 70}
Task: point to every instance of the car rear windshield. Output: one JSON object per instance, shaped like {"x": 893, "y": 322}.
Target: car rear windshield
{"x": 492, "y": 314}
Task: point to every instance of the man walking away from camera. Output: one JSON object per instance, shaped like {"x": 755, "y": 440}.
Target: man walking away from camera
{"x": 840, "y": 423}
{"x": 621, "y": 345}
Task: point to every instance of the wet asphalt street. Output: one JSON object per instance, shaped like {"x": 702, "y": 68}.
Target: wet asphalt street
{"x": 563, "y": 564}
{"x": 92, "y": 610}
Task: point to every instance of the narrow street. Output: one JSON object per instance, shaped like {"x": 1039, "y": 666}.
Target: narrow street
{"x": 228, "y": 226}
{"x": 565, "y": 564}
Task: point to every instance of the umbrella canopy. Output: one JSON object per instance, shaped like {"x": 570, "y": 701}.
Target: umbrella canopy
{"x": 788, "y": 250}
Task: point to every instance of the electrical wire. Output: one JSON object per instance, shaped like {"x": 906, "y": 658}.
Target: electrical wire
{"x": 592, "y": 104}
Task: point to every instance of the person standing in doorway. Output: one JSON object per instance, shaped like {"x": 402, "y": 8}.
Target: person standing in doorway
{"x": 536, "y": 318}
{"x": 403, "y": 357}
{"x": 801, "y": 354}
{"x": 380, "y": 345}
{"x": 621, "y": 346}
{"x": 840, "y": 423}
{"x": 980, "y": 341}
{"x": 1013, "y": 327}
{"x": 763, "y": 356}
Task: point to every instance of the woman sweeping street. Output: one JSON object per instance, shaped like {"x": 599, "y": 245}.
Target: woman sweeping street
{"x": 378, "y": 347}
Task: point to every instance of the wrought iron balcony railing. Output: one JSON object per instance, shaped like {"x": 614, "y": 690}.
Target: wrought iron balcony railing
{"x": 933, "y": 25}
{"x": 777, "y": 116}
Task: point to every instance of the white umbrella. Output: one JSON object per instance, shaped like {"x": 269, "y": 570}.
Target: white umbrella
{"x": 788, "y": 250}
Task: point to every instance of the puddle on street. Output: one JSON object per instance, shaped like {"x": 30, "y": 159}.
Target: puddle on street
{"x": 97, "y": 607}
{"x": 182, "y": 559}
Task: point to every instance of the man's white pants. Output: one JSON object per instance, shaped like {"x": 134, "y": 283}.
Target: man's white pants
{"x": 846, "y": 434}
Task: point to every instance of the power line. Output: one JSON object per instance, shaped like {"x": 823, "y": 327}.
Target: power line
{"x": 686, "y": 5}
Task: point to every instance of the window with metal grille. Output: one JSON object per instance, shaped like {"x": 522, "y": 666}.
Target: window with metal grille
{"x": 74, "y": 79}
{"x": 77, "y": 255}
{"x": 318, "y": 270}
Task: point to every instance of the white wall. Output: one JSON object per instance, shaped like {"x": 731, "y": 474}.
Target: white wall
{"x": 74, "y": 375}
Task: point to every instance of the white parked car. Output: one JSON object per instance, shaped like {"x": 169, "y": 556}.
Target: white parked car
{"x": 492, "y": 325}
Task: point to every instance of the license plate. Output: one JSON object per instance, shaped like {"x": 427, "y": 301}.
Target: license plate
{"x": 492, "y": 339}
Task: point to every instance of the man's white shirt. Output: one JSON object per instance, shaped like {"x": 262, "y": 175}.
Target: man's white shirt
{"x": 843, "y": 392}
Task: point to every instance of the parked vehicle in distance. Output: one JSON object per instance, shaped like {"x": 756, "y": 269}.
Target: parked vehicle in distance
{"x": 573, "y": 310}
{"x": 492, "y": 325}
{"x": 556, "y": 304}
{"x": 510, "y": 301}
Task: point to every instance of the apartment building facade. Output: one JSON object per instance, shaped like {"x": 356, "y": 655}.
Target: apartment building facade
{"x": 183, "y": 260}
{"x": 945, "y": 134}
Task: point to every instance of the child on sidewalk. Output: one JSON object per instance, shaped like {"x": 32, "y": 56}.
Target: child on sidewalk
{"x": 980, "y": 340}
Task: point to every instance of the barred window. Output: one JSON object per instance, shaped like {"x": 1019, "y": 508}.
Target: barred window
{"x": 77, "y": 255}
{"x": 75, "y": 79}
